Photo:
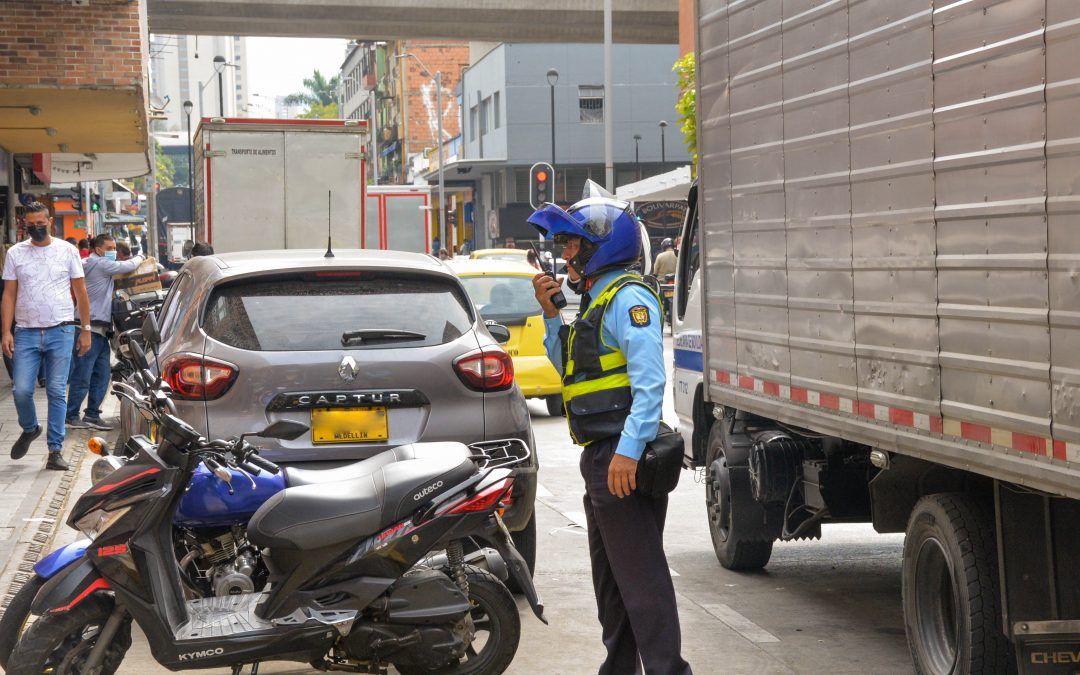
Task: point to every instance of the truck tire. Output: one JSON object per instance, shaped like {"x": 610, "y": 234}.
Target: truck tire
{"x": 950, "y": 588}
{"x": 737, "y": 523}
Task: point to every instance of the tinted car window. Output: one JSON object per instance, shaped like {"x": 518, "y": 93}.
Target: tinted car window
{"x": 314, "y": 312}
{"x": 170, "y": 309}
{"x": 500, "y": 298}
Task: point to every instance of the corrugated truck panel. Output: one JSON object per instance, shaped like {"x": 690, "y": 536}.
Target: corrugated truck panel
{"x": 888, "y": 210}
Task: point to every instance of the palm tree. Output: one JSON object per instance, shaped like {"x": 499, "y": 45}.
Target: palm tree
{"x": 319, "y": 90}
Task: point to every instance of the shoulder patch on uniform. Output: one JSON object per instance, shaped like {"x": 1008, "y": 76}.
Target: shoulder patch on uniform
{"x": 639, "y": 315}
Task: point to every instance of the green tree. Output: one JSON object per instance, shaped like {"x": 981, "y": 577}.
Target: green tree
{"x": 317, "y": 90}
{"x": 320, "y": 111}
{"x": 686, "y": 105}
{"x": 165, "y": 170}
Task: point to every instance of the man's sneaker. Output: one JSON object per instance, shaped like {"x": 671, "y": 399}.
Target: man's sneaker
{"x": 18, "y": 451}
{"x": 96, "y": 423}
{"x": 76, "y": 423}
{"x": 56, "y": 462}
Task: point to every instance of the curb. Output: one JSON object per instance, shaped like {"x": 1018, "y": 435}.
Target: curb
{"x": 50, "y": 523}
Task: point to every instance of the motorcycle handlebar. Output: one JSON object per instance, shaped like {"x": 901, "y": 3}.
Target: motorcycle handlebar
{"x": 264, "y": 464}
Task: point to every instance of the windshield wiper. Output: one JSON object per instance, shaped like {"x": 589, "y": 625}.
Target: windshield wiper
{"x": 378, "y": 334}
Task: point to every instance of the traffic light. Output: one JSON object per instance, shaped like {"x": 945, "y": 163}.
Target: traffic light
{"x": 541, "y": 184}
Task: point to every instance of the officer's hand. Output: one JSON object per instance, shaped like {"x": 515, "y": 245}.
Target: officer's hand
{"x": 545, "y": 287}
{"x": 9, "y": 345}
{"x": 621, "y": 476}
{"x": 84, "y": 342}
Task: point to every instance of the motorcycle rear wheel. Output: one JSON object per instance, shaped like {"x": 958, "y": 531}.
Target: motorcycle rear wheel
{"x": 497, "y": 630}
{"x": 59, "y": 643}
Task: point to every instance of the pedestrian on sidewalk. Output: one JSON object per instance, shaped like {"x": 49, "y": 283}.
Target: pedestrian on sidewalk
{"x": 84, "y": 248}
{"x": 41, "y": 275}
{"x": 92, "y": 371}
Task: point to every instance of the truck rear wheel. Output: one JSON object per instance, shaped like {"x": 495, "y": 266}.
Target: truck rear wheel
{"x": 950, "y": 588}
{"x": 736, "y": 522}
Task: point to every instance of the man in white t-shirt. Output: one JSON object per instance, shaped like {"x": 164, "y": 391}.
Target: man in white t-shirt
{"x": 40, "y": 276}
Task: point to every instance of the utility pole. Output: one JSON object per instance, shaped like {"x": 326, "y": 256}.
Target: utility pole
{"x": 374, "y": 145}
{"x": 443, "y": 220}
{"x": 609, "y": 99}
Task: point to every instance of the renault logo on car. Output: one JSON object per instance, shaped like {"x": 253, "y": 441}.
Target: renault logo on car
{"x": 348, "y": 369}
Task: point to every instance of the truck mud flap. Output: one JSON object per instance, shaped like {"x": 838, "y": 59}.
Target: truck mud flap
{"x": 1047, "y": 647}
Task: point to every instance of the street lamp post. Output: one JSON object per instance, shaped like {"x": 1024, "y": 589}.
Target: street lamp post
{"x": 219, "y": 65}
{"x": 552, "y": 78}
{"x": 637, "y": 154}
{"x": 443, "y": 220}
{"x": 188, "y": 106}
{"x": 663, "y": 154}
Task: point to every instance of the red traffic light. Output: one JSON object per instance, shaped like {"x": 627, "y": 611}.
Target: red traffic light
{"x": 541, "y": 176}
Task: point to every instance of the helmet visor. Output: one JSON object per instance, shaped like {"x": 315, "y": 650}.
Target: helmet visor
{"x": 597, "y": 216}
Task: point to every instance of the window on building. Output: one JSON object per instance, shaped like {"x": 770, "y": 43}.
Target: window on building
{"x": 472, "y": 123}
{"x": 591, "y": 103}
{"x": 496, "y": 111}
{"x": 485, "y": 115}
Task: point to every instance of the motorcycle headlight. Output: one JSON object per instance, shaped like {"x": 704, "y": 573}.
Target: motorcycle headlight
{"x": 96, "y": 522}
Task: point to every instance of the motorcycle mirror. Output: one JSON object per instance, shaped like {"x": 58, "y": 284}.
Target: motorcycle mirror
{"x": 139, "y": 355}
{"x": 284, "y": 430}
{"x": 499, "y": 332}
{"x": 150, "y": 331}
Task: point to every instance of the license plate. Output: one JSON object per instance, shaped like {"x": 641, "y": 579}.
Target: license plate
{"x": 349, "y": 425}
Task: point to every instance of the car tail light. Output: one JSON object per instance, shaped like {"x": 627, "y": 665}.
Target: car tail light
{"x": 489, "y": 369}
{"x": 194, "y": 377}
{"x": 483, "y": 500}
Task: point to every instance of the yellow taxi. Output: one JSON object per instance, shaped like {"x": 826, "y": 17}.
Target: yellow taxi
{"x": 512, "y": 254}
{"x": 502, "y": 291}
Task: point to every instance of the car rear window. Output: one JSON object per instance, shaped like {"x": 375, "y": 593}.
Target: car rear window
{"x": 314, "y": 312}
{"x": 502, "y": 298}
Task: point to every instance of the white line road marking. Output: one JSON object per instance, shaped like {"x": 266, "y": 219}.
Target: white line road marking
{"x": 740, "y": 624}
{"x": 542, "y": 492}
{"x": 673, "y": 572}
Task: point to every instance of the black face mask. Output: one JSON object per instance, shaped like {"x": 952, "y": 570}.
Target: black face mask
{"x": 37, "y": 232}
{"x": 576, "y": 286}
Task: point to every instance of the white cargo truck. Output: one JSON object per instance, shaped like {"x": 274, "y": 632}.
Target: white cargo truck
{"x": 877, "y": 308}
{"x": 278, "y": 184}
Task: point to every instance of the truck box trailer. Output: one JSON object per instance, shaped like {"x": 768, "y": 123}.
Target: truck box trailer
{"x": 877, "y": 308}
{"x": 399, "y": 218}
{"x": 278, "y": 184}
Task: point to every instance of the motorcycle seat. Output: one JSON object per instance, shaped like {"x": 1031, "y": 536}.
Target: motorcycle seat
{"x": 296, "y": 476}
{"x": 308, "y": 517}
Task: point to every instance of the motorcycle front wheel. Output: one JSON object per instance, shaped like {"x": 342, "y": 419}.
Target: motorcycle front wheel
{"x": 497, "y": 628}
{"x": 60, "y": 643}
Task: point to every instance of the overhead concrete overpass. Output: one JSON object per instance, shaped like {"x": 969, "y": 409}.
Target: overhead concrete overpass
{"x": 634, "y": 21}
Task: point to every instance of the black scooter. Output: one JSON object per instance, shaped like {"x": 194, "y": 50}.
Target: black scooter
{"x": 364, "y": 573}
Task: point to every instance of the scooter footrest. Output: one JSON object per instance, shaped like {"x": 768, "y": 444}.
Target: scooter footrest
{"x": 222, "y": 616}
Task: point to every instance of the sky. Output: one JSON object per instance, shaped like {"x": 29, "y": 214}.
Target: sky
{"x": 278, "y": 66}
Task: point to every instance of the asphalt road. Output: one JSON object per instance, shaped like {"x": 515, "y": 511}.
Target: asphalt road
{"x": 829, "y": 606}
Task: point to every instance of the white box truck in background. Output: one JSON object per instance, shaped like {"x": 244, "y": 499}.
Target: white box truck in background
{"x": 877, "y": 308}
{"x": 278, "y": 184}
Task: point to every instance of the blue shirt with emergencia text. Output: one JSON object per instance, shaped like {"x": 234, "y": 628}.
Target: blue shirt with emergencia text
{"x": 634, "y": 324}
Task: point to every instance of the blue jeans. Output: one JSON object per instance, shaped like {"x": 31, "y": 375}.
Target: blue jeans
{"x": 51, "y": 346}
{"x": 91, "y": 373}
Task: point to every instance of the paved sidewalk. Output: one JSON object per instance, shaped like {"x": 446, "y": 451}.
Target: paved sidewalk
{"x": 33, "y": 501}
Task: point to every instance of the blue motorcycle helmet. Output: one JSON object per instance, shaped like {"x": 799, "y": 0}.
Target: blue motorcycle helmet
{"x": 609, "y": 231}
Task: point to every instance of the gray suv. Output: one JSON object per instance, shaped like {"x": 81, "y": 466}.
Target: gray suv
{"x": 371, "y": 349}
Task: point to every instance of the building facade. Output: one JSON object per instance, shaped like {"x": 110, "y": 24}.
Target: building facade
{"x": 392, "y": 85}
{"x": 506, "y": 102}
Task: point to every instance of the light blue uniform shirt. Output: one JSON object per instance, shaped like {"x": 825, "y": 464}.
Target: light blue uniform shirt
{"x": 643, "y": 346}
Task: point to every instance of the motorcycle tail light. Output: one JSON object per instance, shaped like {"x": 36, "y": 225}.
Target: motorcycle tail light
{"x": 484, "y": 500}
{"x": 489, "y": 369}
{"x": 194, "y": 377}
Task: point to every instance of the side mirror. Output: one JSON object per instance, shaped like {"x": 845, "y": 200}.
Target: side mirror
{"x": 138, "y": 355}
{"x": 284, "y": 430}
{"x": 499, "y": 332}
{"x": 150, "y": 331}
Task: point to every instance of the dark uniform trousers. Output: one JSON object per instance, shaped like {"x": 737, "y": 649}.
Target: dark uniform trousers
{"x": 634, "y": 595}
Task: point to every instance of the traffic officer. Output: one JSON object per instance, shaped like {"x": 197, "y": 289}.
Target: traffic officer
{"x": 612, "y": 361}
